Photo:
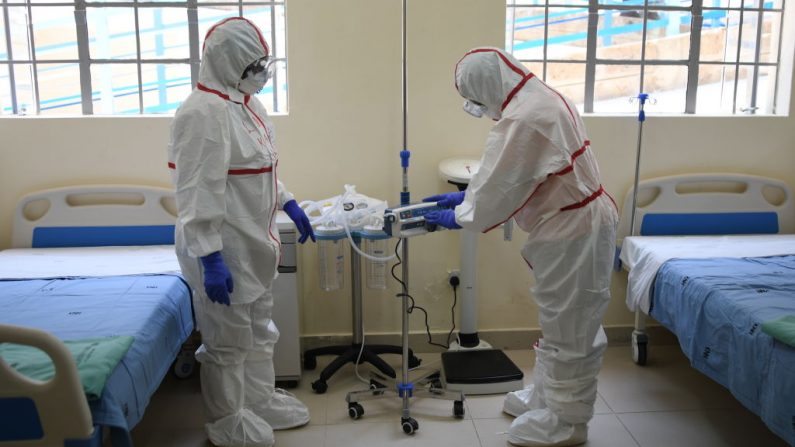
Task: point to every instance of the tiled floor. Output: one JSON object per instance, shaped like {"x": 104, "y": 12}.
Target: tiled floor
{"x": 666, "y": 403}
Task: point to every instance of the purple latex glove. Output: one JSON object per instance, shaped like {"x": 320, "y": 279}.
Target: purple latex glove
{"x": 217, "y": 279}
{"x": 447, "y": 200}
{"x": 444, "y": 218}
{"x": 298, "y": 216}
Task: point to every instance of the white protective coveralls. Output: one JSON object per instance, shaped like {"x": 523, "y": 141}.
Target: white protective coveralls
{"x": 223, "y": 162}
{"x": 538, "y": 169}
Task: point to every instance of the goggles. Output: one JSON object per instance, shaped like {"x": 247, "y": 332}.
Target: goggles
{"x": 261, "y": 70}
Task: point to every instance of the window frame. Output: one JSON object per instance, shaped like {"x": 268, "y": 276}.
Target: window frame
{"x": 84, "y": 61}
{"x": 696, "y": 10}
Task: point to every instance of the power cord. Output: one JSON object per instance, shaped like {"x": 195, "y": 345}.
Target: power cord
{"x": 454, "y": 282}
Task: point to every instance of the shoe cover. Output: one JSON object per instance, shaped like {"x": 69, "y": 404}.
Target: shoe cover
{"x": 530, "y": 398}
{"x": 519, "y": 402}
{"x": 243, "y": 429}
{"x": 543, "y": 428}
{"x": 283, "y": 411}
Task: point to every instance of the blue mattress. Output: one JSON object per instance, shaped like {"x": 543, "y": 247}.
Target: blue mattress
{"x": 154, "y": 309}
{"x": 716, "y": 308}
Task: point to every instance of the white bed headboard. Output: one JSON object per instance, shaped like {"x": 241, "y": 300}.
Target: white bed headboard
{"x": 710, "y": 204}
{"x": 95, "y": 215}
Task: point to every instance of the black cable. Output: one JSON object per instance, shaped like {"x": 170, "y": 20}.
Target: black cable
{"x": 415, "y": 306}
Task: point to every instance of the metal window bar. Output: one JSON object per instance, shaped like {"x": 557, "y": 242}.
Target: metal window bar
{"x": 274, "y": 50}
{"x": 755, "y": 79}
{"x": 9, "y": 51}
{"x": 696, "y": 23}
{"x": 590, "y": 55}
{"x": 193, "y": 41}
{"x": 34, "y": 65}
{"x": 81, "y": 24}
{"x": 138, "y": 60}
{"x": 778, "y": 59}
{"x": 737, "y": 61}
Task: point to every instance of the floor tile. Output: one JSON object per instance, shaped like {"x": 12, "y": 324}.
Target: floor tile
{"x": 666, "y": 383}
{"x": 430, "y": 433}
{"x": 699, "y": 428}
{"x": 604, "y": 430}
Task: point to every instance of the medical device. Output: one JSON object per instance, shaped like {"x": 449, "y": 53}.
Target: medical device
{"x": 471, "y": 365}
{"x": 356, "y": 217}
{"x": 407, "y": 221}
{"x": 403, "y": 386}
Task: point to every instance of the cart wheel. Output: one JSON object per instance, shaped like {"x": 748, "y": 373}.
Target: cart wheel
{"x": 355, "y": 410}
{"x": 458, "y": 409}
{"x": 639, "y": 353}
{"x": 640, "y": 342}
{"x": 319, "y": 386}
{"x": 310, "y": 362}
{"x": 409, "y": 425}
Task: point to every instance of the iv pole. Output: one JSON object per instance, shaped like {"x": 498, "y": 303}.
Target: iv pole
{"x": 640, "y": 339}
{"x": 427, "y": 385}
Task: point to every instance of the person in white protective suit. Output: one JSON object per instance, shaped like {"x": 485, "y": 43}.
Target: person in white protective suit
{"x": 538, "y": 169}
{"x": 224, "y": 165}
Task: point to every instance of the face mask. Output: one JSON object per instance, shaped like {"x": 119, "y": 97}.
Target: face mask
{"x": 250, "y": 85}
{"x": 475, "y": 109}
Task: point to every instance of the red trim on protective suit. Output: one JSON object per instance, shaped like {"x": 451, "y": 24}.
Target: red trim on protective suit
{"x": 243, "y": 171}
{"x": 261, "y": 122}
{"x": 574, "y": 156}
{"x": 259, "y": 33}
{"x": 204, "y": 88}
{"x": 563, "y": 171}
{"x": 573, "y": 120}
{"x": 513, "y": 67}
{"x": 585, "y": 201}
{"x": 516, "y": 90}
{"x": 273, "y": 213}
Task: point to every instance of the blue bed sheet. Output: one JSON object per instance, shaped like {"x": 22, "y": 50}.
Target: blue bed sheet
{"x": 154, "y": 309}
{"x": 716, "y": 308}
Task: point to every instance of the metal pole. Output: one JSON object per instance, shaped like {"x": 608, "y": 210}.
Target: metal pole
{"x": 405, "y": 199}
{"x": 641, "y": 118}
{"x": 356, "y": 291}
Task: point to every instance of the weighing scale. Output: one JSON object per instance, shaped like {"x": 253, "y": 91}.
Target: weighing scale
{"x": 471, "y": 365}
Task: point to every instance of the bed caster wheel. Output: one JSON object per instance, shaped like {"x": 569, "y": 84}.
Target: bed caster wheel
{"x": 310, "y": 363}
{"x": 355, "y": 410}
{"x": 184, "y": 365}
{"x": 458, "y": 409}
{"x": 414, "y": 361}
{"x": 640, "y": 344}
{"x": 319, "y": 386}
{"x": 409, "y": 425}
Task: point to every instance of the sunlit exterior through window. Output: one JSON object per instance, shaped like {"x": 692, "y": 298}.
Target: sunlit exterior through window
{"x": 706, "y": 57}
{"x": 119, "y": 57}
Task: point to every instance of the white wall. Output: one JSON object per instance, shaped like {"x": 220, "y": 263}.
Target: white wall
{"x": 344, "y": 126}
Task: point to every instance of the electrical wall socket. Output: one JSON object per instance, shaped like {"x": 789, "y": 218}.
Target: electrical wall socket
{"x": 453, "y": 273}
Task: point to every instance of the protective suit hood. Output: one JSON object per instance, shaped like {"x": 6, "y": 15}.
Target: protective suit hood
{"x": 229, "y": 47}
{"x": 490, "y": 76}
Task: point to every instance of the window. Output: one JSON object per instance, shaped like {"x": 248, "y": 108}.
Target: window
{"x": 692, "y": 56}
{"x": 119, "y": 57}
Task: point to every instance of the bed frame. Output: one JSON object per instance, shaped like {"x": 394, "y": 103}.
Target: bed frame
{"x": 56, "y": 412}
{"x": 704, "y": 204}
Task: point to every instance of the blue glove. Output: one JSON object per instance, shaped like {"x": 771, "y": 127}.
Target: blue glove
{"x": 298, "y": 216}
{"x": 445, "y": 218}
{"x": 217, "y": 279}
{"x": 448, "y": 200}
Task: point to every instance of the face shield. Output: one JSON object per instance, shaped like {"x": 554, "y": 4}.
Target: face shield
{"x": 474, "y": 108}
{"x": 256, "y": 75}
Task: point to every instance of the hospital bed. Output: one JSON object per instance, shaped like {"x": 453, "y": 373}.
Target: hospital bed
{"x": 714, "y": 263}
{"x": 100, "y": 267}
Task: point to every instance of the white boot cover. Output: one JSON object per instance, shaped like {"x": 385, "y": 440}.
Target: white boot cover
{"x": 543, "y": 428}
